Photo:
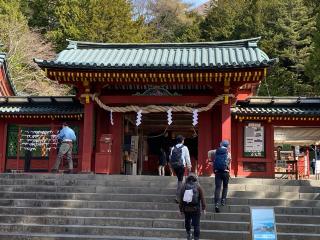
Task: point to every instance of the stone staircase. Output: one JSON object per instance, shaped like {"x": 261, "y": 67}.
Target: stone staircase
{"x": 53, "y": 206}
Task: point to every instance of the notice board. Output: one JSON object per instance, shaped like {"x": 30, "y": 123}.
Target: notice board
{"x": 254, "y": 140}
{"x": 263, "y": 226}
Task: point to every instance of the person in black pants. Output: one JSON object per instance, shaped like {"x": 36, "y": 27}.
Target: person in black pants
{"x": 192, "y": 210}
{"x": 179, "y": 160}
{"x": 222, "y": 175}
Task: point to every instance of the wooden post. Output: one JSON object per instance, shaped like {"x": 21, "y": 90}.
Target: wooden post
{"x": 87, "y": 137}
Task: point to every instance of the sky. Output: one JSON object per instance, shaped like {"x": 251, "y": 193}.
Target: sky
{"x": 195, "y": 3}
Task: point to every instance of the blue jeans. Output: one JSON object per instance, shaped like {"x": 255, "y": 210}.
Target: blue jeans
{"x": 193, "y": 218}
{"x": 221, "y": 177}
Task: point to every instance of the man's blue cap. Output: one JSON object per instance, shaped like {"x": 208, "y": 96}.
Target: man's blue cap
{"x": 224, "y": 143}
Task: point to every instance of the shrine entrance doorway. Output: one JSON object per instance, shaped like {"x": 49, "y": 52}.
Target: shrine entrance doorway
{"x": 141, "y": 149}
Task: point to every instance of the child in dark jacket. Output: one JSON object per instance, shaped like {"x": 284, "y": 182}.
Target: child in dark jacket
{"x": 192, "y": 201}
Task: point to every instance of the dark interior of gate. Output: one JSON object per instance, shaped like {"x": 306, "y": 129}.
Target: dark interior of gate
{"x": 153, "y": 134}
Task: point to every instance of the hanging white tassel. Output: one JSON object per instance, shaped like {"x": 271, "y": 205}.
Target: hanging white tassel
{"x": 111, "y": 117}
{"x": 169, "y": 115}
{"x": 139, "y": 118}
{"x": 195, "y": 117}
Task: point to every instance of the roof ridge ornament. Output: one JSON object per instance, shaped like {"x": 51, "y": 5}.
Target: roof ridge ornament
{"x": 72, "y": 44}
{"x": 248, "y": 42}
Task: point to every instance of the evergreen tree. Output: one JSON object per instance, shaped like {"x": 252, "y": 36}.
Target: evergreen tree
{"x": 313, "y": 64}
{"x": 292, "y": 40}
{"x": 87, "y": 20}
{"x": 286, "y": 28}
{"x": 40, "y": 14}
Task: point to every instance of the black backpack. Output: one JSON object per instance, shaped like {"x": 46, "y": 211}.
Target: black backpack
{"x": 176, "y": 157}
{"x": 194, "y": 205}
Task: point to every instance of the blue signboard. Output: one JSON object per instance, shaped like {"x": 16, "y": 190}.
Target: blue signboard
{"x": 263, "y": 226}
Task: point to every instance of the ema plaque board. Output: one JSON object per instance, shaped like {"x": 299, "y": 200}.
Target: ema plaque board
{"x": 263, "y": 226}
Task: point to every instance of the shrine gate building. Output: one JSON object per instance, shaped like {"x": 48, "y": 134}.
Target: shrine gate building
{"x": 116, "y": 84}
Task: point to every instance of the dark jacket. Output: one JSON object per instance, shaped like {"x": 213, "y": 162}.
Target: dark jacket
{"x": 193, "y": 177}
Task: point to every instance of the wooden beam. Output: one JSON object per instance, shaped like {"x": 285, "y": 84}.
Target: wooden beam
{"x": 148, "y": 100}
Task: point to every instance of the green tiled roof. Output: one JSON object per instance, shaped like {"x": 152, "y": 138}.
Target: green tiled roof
{"x": 3, "y": 62}
{"x": 278, "y": 106}
{"x": 206, "y": 55}
{"x": 40, "y": 105}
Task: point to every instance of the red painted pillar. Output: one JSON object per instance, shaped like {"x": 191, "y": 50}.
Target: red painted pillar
{"x": 53, "y": 152}
{"x": 216, "y": 126}
{"x": 3, "y": 140}
{"x": 269, "y": 148}
{"x": 117, "y": 133}
{"x": 205, "y": 137}
{"x": 234, "y": 147}
{"x": 87, "y": 136}
{"x": 226, "y": 121}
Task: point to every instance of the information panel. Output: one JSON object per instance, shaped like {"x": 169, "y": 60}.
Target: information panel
{"x": 263, "y": 223}
{"x": 254, "y": 140}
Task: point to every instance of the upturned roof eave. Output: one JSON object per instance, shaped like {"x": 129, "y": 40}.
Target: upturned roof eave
{"x": 7, "y": 73}
{"x": 52, "y": 64}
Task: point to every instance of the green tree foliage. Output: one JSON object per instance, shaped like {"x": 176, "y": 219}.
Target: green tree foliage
{"x": 95, "y": 20}
{"x": 313, "y": 65}
{"x": 286, "y": 28}
{"x": 170, "y": 21}
{"x": 22, "y": 45}
{"x": 40, "y": 14}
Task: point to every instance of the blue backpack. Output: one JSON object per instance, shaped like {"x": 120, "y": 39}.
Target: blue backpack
{"x": 220, "y": 161}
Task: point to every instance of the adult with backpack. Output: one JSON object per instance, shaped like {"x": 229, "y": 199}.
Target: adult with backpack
{"x": 191, "y": 196}
{"x": 221, "y": 159}
{"x": 179, "y": 159}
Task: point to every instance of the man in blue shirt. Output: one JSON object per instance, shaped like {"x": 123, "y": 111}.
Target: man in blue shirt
{"x": 66, "y": 136}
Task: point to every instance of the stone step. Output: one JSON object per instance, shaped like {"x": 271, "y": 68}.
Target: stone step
{"x": 125, "y": 231}
{"x": 299, "y": 228}
{"x": 138, "y": 231}
{"x": 143, "y": 206}
{"x": 154, "y": 214}
{"x": 123, "y": 213}
{"x": 298, "y": 236}
{"x": 150, "y": 223}
{"x": 128, "y": 222}
{"x": 49, "y": 236}
{"x": 61, "y": 206}
{"x": 91, "y": 179}
{"x": 234, "y": 197}
{"x": 270, "y": 189}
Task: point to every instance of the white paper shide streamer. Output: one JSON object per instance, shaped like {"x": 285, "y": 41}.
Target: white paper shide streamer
{"x": 139, "y": 118}
{"x": 169, "y": 115}
{"x": 195, "y": 117}
{"x": 111, "y": 117}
